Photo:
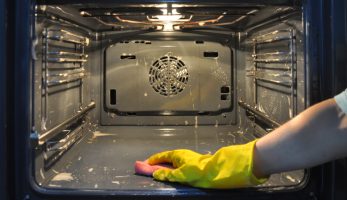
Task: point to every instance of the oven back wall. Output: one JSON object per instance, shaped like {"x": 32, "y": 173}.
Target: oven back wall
{"x": 154, "y": 79}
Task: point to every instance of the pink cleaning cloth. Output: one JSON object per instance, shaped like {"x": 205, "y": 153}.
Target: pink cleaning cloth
{"x": 143, "y": 168}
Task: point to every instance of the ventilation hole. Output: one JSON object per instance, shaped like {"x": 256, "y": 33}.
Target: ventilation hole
{"x": 148, "y": 42}
{"x": 224, "y": 97}
{"x": 131, "y": 113}
{"x": 211, "y": 54}
{"x": 113, "y": 97}
{"x": 199, "y": 42}
{"x": 127, "y": 57}
{"x": 137, "y": 41}
{"x": 225, "y": 89}
{"x": 168, "y": 75}
{"x": 126, "y": 41}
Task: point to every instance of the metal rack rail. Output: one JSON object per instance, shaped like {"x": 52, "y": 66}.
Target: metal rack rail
{"x": 260, "y": 115}
{"x": 65, "y": 36}
{"x": 68, "y": 54}
{"x": 66, "y": 60}
{"x": 276, "y": 57}
{"x": 68, "y": 79}
{"x": 65, "y": 53}
{"x": 278, "y": 82}
{"x": 60, "y": 127}
{"x": 274, "y": 60}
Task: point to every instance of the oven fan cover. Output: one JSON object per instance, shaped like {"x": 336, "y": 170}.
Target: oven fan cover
{"x": 168, "y": 75}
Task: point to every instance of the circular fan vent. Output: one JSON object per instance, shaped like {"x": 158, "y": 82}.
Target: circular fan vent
{"x": 168, "y": 75}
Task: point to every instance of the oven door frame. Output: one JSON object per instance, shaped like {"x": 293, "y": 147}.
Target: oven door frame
{"x": 324, "y": 181}
{"x": 3, "y": 99}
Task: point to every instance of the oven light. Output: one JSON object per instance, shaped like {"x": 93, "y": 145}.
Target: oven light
{"x": 168, "y": 21}
{"x": 168, "y": 18}
{"x": 168, "y": 26}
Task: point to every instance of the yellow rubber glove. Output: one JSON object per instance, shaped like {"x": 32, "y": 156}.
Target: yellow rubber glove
{"x": 229, "y": 167}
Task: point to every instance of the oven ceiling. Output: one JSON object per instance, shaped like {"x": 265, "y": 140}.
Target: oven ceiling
{"x": 181, "y": 15}
{"x": 138, "y": 2}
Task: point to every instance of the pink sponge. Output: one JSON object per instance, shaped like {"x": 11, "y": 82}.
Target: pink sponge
{"x": 143, "y": 168}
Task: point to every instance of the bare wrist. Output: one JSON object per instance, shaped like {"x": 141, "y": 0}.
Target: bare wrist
{"x": 259, "y": 167}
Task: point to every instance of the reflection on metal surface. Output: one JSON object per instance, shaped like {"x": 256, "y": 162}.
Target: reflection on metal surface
{"x": 271, "y": 33}
{"x": 166, "y": 129}
{"x": 274, "y": 36}
{"x": 66, "y": 74}
{"x": 169, "y": 17}
{"x": 264, "y": 58}
{"x": 138, "y": 22}
{"x": 167, "y": 134}
{"x": 214, "y": 22}
{"x": 272, "y": 53}
{"x": 279, "y": 82}
{"x": 274, "y": 39}
{"x": 65, "y": 60}
{"x": 274, "y": 60}
{"x": 58, "y": 57}
{"x": 55, "y": 130}
{"x": 113, "y": 163}
{"x": 65, "y": 53}
{"x": 66, "y": 36}
{"x": 260, "y": 114}
{"x": 67, "y": 79}
{"x": 202, "y": 22}
{"x": 63, "y": 39}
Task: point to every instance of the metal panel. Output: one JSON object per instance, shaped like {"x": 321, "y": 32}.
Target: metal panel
{"x": 105, "y": 159}
{"x": 20, "y": 124}
{"x": 19, "y": 98}
{"x": 110, "y": 118}
{"x": 200, "y": 93}
{"x": 326, "y": 60}
{"x": 140, "y": 2}
{"x": 62, "y": 65}
{"x": 277, "y": 86}
{"x": 3, "y": 110}
{"x": 338, "y": 45}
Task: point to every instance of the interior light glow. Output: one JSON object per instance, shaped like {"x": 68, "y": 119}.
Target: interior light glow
{"x": 168, "y": 26}
{"x": 168, "y": 18}
{"x": 173, "y": 11}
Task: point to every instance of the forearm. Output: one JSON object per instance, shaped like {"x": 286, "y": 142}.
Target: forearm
{"x": 317, "y": 135}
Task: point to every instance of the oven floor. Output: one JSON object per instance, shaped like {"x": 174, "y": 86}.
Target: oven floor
{"x": 105, "y": 159}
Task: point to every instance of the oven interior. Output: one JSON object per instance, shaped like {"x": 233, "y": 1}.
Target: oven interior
{"x": 113, "y": 83}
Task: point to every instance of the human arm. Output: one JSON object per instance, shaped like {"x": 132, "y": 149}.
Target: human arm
{"x": 229, "y": 167}
{"x": 315, "y": 136}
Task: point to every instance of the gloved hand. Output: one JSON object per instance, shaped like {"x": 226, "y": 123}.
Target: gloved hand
{"x": 229, "y": 167}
